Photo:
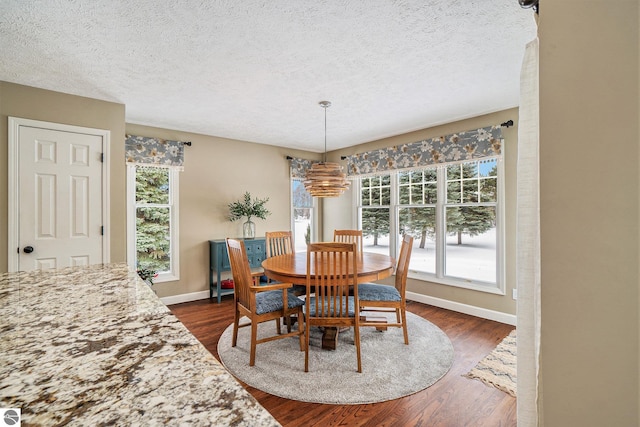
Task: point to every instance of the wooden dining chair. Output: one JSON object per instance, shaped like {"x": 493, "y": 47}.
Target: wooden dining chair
{"x": 278, "y": 243}
{"x": 259, "y": 303}
{"x": 377, "y": 298}
{"x": 328, "y": 267}
{"x": 281, "y": 243}
{"x": 349, "y": 236}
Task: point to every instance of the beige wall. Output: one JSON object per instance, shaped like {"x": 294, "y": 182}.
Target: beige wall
{"x": 339, "y": 213}
{"x": 38, "y": 104}
{"x": 218, "y": 171}
{"x": 589, "y": 203}
{"x": 211, "y": 181}
{"x": 589, "y": 188}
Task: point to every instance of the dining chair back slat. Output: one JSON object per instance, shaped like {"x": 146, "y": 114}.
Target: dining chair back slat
{"x": 402, "y": 270}
{"x": 281, "y": 243}
{"x": 349, "y": 236}
{"x": 278, "y": 243}
{"x": 334, "y": 267}
{"x": 241, "y": 271}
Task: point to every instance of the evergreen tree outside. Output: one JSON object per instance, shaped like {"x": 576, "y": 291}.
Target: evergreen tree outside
{"x": 464, "y": 197}
{"x": 418, "y": 187}
{"x": 375, "y": 223}
{"x": 375, "y": 202}
{"x": 153, "y": 219}
{"x": 465, "y": 186}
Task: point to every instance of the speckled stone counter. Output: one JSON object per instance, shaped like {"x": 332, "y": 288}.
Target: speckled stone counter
{"x": 95, "y": 346}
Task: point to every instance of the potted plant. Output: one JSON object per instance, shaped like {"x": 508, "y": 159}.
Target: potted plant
{"x": 248, "y": 208}
{"x": 147, "y": 274}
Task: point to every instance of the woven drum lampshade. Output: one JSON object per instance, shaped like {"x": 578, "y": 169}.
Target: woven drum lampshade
{"x": 326, "y": 179}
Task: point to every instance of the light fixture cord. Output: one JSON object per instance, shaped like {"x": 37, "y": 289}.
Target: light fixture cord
{"x": 325, "y": 134}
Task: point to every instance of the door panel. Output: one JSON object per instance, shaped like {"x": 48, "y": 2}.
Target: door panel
{"x": 45, "y": 209}
{"x": 60, "y": 198}
{"x": 79, "y": 206}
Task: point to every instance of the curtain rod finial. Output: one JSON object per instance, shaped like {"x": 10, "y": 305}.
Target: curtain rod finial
{"x": 507, "y": 124}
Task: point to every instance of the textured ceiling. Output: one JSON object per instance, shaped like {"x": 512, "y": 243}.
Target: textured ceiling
{"x": 255, "y": 70}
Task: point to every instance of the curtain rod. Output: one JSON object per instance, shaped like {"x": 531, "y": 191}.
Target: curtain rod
{"x": 506, "y": 124}
{"x": 183, "y": 142}
{"x": 535, "y": 4}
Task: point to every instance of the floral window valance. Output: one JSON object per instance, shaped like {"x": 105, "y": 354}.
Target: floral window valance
{"x": 457, "y": 147}
{"x": 299, "y": 167}
{"x": 141, "y": 150}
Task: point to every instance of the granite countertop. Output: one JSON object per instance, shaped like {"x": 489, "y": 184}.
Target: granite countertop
{"x": 95, "y": 346}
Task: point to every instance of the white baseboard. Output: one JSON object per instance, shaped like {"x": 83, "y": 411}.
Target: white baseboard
{"x": 484, "y": 313}
{"x": 177, "y": 299}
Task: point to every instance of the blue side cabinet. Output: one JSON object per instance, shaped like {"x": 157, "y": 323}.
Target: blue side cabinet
{"x": 219, "y": 261}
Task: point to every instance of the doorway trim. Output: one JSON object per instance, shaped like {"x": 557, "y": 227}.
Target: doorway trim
{"x": 14, "y": 183}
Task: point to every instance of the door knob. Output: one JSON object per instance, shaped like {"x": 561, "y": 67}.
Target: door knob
{"x": 27, "y": 249}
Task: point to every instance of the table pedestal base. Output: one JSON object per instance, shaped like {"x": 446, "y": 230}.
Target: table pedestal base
{"x": 330, "y": 334}
{"x": 330, "y": 338}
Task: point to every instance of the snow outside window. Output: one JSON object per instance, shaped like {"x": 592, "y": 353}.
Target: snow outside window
{"x": 454, "y": 214}
{"x": 303, "y": 216}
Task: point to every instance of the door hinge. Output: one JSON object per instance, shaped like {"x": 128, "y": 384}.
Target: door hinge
{"x": 102, "y": 157}
{"x": 18, "y": 250}
{"x": 102, "y": 230}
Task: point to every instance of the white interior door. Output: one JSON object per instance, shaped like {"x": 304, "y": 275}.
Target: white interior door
{"x": 59, "y": 198}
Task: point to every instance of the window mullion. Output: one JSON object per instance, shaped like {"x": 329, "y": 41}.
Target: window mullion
{"x": 441, "y": 222}
{"x": 393, "y": 215}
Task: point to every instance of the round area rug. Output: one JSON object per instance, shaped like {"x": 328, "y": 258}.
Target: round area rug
{"x": 390, "y": 369}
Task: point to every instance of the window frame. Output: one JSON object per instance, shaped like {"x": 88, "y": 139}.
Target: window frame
{"x": 174, "y": 273}
{"x": 439, "y": 277}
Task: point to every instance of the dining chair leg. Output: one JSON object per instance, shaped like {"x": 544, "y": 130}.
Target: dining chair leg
{"x": 287, "y": 321}
{"x": 356, "y": 335}
{"x": 254, "y": 337}
{"x": 236, "y": 320}
{"x": 300, "y": 330}
{"x": 306, "y": 346}
{"x": 278, "y": 326}
{"x": 404, "y": 326}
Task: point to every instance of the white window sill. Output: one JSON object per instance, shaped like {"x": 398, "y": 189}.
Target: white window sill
{"x": 167, "y": 277}
{"x": 490, "y": 288}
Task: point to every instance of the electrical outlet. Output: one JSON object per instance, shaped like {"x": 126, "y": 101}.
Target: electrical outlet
{"x": 515, "y": 293}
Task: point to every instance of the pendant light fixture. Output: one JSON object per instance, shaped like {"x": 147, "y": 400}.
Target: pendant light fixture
{"x": 325, "y": 179}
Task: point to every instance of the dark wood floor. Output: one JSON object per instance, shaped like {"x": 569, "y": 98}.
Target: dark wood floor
{"x": 452, "y": 401}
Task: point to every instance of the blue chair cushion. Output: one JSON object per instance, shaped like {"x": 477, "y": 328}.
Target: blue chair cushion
{"x": 269, "y": 301}
{"x": 299, "y": 289}
{"x": 350, "y": 300}
{"x": 373, "y": 292}
{"x": 296, "y": 289}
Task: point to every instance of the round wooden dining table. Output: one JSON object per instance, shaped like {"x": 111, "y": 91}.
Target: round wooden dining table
{"x": 292, "y": 268}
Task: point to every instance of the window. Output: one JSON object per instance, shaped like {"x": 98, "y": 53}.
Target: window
{"x": 453, "y": 213}
{"x": 303, "y": 215}
{"x": 470, "y": 221}
{"x": 375, "y": 198}
{"x": 153, "y": 220}
{"x": 417, "y": 203}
